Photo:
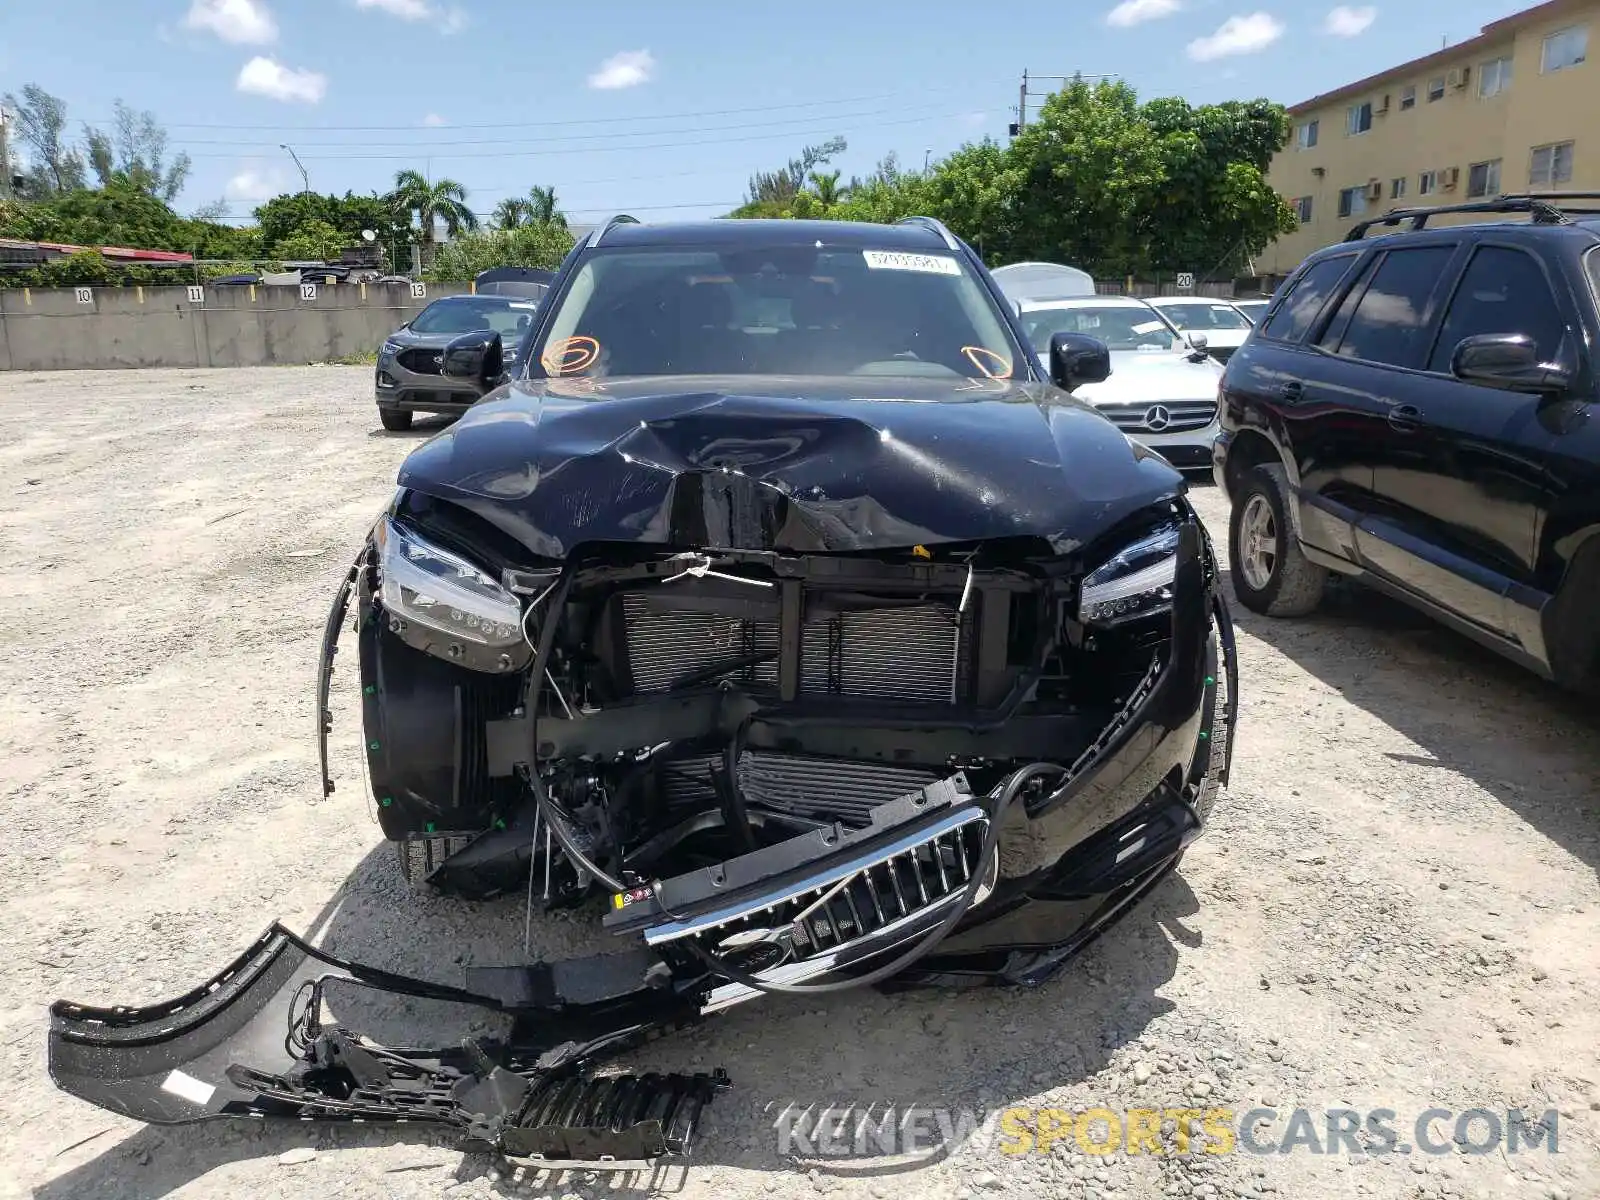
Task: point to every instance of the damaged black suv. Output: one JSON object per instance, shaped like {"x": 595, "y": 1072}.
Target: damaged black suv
{"x": 781, "y": 601}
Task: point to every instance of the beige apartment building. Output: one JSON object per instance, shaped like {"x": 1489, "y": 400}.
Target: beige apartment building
{"x": 1515, "y": 109}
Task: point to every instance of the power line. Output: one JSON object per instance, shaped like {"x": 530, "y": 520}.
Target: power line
{"x": 430, "y": 151}
{"x": 414, "y": 144}
{"x": 711, "y": 112}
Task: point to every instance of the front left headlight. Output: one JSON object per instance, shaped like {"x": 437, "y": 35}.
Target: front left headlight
{"x": 1135, "y": 582}
{"x": 390, "y": 348}
{"x": 441, "y": 590}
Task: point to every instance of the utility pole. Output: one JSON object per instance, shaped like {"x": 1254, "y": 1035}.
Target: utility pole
{"x": 305, "y": 179}
{"x": 1021, "y": 122}
{"x": 5, "y": 158}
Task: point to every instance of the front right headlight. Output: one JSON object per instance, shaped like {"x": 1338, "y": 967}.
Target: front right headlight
{"x": 1135, "y": 582}
{"x": 441, "y": 590}
{"x": 390, "y": 348}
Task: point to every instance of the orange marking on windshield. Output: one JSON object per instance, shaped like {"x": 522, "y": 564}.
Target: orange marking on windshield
{"x": 998, "y": 365}
{"x": 568, "y": 356}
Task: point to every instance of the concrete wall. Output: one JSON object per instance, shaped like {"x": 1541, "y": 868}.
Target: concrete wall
{"x": 232, "y": 326}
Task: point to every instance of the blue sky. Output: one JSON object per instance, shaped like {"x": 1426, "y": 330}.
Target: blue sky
{"x": 663, "y": 108}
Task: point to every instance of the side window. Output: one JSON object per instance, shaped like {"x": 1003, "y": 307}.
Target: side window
{"x": 1347, "y": 307}
{"x": 1390, "y": 322}
{"x": 1305, "y": 300}
{"x": 1502, "y": 291}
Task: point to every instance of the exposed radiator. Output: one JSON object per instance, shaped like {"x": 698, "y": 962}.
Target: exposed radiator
{"x": 908, "y": 654}
{"x": 819, "y": 789}
{"x": 915, "y": 654}
{"x": 667, "y": 648}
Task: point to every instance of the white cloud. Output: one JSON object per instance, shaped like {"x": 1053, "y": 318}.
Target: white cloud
{"x": 1348, "y": 22}
{"x": 252, "y": 185}
{"x": 454, "y": 20}
{"x": 434, "y": 121}
{"x": 406, "y": 10}
{"x": 243, "y": 22}
{"x": 1134, "y": 12}
{"x": 628, "y": 68}
{"x": 262, "y": 76}
{"x": 1238, "y": 35}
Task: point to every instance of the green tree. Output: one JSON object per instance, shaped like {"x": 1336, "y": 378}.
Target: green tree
{"x": 315, "y": 240}
{"x": 542, "y": 207}
{"x": 122, "y": 214}
{"x": 511, "y": 213}
{"x": 1216, "y": 209}
{"x": 539, "y": 245}
{"x": 284, "y": 216}
{"x": 825, "y": 186}
{"x": 432, "y": 203}
{"x": 135, "y": 149}
{"x": 40, "y": 128}
{"x": 771, "y": 192}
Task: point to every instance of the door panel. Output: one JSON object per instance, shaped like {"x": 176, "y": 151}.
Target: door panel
{"x": 1464, "y": 479}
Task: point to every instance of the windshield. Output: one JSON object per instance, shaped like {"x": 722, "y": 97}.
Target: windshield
{"x": 509, "y": 318}
{"x": 776, "y": 310}
{"x": 1119, "y": 326}
{"x": 1198, "y": 314}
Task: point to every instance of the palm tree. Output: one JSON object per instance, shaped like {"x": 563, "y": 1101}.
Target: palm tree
{"x": 512, "y": 213}
{"x": 827, "y": 187}
{"x": 542, "y": 208}
{"x": 431, "y": 202}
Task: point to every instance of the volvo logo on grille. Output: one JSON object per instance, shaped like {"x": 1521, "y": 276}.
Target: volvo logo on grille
{"x": 1157, "y": 418}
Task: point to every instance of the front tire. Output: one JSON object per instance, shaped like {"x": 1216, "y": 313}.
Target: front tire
{"x": 1271, "y": 574}
{"x": 394, "y": 420}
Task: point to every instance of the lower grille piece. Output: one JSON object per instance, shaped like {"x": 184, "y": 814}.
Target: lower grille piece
{"x": 818, "y": 789}
{"x": 865, "y": 896}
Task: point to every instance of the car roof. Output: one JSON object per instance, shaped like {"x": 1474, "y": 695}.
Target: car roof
{"x": 1085, "y": 302}
{"x": 1582, "y": 230}
{"x": 726, "y": 231}
{"x": 478, "y": 297}
{"x": 1158, "y": 300}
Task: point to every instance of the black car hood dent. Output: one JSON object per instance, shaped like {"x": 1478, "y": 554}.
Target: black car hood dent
{"x": 787, "y": 464}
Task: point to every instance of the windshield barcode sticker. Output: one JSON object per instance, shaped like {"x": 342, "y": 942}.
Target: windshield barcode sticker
{"x": 931, "y": 264}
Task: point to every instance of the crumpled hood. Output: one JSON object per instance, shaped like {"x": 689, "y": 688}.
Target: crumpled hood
{"x": 787, "y": 464}
{"x": 1152, "y": 376}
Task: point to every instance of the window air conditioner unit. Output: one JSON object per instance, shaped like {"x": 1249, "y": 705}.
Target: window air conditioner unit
{"x": 1374, "y": 190}
{"x": 1449, "y": 177}
{"x": 1382, "y": 106}
{"x": 1458, "y": 76}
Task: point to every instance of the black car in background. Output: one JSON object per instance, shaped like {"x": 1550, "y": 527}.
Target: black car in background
{"x": 1420, "y": 411}
{"x": 410, "y": 374}
{"x": 787, "y": 604}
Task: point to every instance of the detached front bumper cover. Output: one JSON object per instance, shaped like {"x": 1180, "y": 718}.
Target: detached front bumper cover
{"x": 528, "y": 1095}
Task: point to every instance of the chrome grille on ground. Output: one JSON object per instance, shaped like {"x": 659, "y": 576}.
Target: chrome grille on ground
{"x": 1161, "y": 416}
{"x": 666, "y": 648}
{"x": 866, "y": 895}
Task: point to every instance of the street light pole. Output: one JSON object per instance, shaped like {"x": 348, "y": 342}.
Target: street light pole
{"x": 304, "y": 178}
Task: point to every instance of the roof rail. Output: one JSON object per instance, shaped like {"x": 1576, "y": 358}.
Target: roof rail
{"x": 1538, "y": 207}
{"x": 612, "y": 222}
{"x": 934, "y": 224}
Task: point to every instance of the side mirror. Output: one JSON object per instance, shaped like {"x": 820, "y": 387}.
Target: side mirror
{"x": 1509, "y": 361}
{"x": 1199, "y": 341}
{"x": 478, "y": 355}
{"x": 1076, "y": 359}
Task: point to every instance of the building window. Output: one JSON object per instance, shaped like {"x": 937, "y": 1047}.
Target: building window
{"x": 1436, "y": 89}
{"x": 1408, "y": 96}
{"x": 1564, "y": 48}
{"x": 1306, "y": 135}
{"x": 1551, "y": 164}
{"x": 1397, "y": 187}
{"x": 1353, "y": 200}
{"x": 1427, "y": 183}
{"x": 1483, "y": 179}
{"x": 1302, "y": 209}
{"x": 1494, "y": 77}
{"x": 1358, "y": 119}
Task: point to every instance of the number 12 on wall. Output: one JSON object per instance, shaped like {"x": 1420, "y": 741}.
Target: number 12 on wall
{"x": 308, "y": 291}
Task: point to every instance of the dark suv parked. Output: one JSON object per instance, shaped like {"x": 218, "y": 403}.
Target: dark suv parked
{"x": 1419, "y": 410}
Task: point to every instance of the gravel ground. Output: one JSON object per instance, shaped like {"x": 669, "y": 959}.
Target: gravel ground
{"x": 1395, "y": 906}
